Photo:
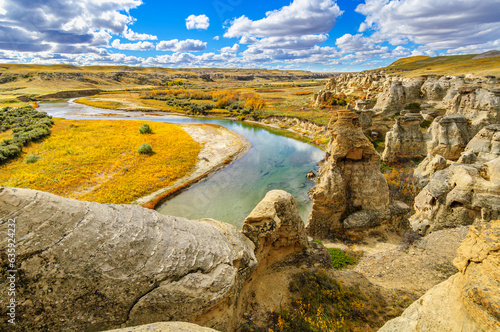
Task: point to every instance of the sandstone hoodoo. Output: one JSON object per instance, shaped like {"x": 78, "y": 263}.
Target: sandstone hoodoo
{"x": 405, "y": 140}
{"x": 351, "y": 192}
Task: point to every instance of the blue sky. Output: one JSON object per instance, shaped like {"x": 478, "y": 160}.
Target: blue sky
{"x": 316, "y": 35}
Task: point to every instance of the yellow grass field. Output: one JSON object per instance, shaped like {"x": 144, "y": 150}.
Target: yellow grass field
{"x": 97, "y": 160}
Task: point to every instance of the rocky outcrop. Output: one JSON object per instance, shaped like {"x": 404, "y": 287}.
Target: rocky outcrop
{"x": 275, "y": 225}
{"x": 366, "y": 85}
{"x": 485, "y": 146}
{"x": 89, "y": 266}
{"x": 92, "y": 267}
{"x": 479, "y": 105}
{"x": 448, "y": 136}
{"x": 469, "y": 300}
{"x": 398, "y": 94}
{"x": 406, "y": 139}
{"x": 459, "y": 195}
{"x": 351, "y": 191}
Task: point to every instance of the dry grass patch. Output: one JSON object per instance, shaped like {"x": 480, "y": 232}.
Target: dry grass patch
{"x": 98, "y": 160}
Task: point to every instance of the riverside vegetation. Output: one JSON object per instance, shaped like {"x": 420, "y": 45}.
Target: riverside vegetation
{"x": 109, "y": 167}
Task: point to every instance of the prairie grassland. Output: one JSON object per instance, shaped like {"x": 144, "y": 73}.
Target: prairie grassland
{"x": 276, "y": 99}
{"x": 97, "y": 160}
{"x": 445, "y": 65}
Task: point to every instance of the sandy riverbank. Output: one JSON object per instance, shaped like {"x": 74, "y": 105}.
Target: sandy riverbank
{"x": 220, "y": 147}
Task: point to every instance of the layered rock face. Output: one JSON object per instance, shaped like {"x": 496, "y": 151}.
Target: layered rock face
{"x": 89, "y": 266}
{"x": 478, "y": 104}
{"x": 370, "y": 85}
{"x": 448, "y": 136}
{"x": 459, "y": 195}
{"x": 469, "y": 300}
{"x": 485, "y": 145}
{"x": 351, "y": 191}
{"x": 405, "y": 139}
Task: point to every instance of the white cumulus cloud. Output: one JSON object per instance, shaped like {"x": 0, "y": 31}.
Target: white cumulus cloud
{"x": 235, "y": 48}
{"x": 301, "y": 17}
{"x": 187, "y": 45}
{"x": 139, "y": 46}
{"x": 197, "y": 22}
{"x": 131, "y": 35}
{"x": 443, "y": 24}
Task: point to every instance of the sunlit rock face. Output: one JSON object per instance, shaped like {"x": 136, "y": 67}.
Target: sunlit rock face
{"x": 99, "y": 266}
{"x": 351, "y": 191}
{"x": 405, "y": 140}
{"x": 462, "y": 194}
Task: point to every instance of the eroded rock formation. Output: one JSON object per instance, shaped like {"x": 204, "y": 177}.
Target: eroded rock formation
{"x": 485, "y": 145}
{"x": 459, "y": 195}
{"x": 275, "y": 225}
{"x": 448, "y": 136}
{"x": 351, "y": 191}
{"x": 469, "y": 300}
{"x": 406, "y": 139}
{"x": 90, "y": 266}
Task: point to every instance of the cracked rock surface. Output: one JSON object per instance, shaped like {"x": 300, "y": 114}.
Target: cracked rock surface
{"x": 89, "y": 266}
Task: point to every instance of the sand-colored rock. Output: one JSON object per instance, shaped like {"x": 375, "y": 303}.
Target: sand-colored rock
{"x": 486, "y": 143}
{"x": 166, "y": 327}
{"x": 405, "y": 140}
{"x": 469, "y": 300}
{"x": 349, "y": 182}
{"x": 479, "y": 105}
{"x": 275, "y": 224}
{"x": 90, "y": 266}
{"x": 459, "y": 195}
{"x": 448, "y": 136}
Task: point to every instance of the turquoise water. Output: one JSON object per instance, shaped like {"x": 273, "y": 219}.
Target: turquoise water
{"x": 273, "y": 162}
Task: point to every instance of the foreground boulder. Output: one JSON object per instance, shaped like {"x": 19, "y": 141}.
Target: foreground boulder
{"x": 351, "y": 191}
{"x": 275, "y": 226}
{"x": 469, "y": 300}
{"x": 88, "y": 266}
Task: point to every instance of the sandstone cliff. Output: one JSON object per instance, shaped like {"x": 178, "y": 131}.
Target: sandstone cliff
{"x": 468, "y": 301}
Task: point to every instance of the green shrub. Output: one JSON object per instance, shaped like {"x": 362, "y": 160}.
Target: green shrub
{"x": 145, "y": 149}
{"x": 426, "y": 124}
{"x": 145, "y": 129}
{"x": 322, "y": 304}
{"x": 339, "y": 258}
{"x": 32, "y": 158}
{"x": 413, "y": 106}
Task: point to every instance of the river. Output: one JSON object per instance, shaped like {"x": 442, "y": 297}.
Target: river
{"x": 273, "y": 162}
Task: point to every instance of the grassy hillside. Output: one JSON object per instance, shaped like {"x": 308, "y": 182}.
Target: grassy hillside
{"x": 445, "y": 65}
